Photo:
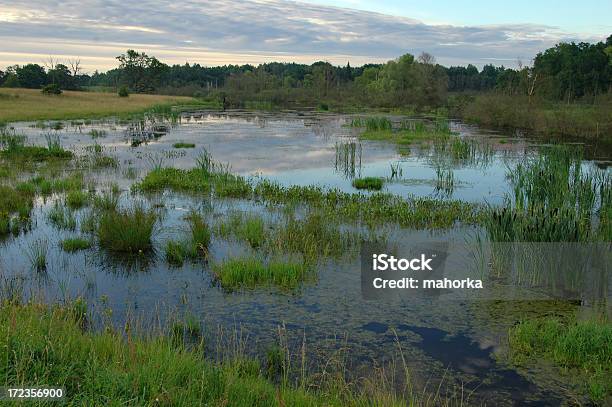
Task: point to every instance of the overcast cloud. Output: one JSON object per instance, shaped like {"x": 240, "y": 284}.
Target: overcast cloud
{"x": 214, "y": 32}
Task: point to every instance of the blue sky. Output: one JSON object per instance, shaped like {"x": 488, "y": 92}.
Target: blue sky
{"x": 586, "y": 16}
{"x": 217, "y": 32}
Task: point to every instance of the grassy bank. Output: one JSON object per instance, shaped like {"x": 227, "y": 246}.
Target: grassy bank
{"x": 581, "y": 348}
{"x": 31, "y": 104}
{"x": 581, "y": 120}
{"x": 51, "y": 346}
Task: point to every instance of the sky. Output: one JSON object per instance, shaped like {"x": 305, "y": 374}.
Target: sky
{"x": 218, "y": 32}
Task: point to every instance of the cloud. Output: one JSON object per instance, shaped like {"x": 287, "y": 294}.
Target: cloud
{"x": 213, "y": 32}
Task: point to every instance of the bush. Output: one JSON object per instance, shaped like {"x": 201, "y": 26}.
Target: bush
{"x": 51, "y": 89}
{"x": 123, "y": 92}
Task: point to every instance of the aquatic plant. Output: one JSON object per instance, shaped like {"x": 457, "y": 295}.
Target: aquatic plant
{"x": 445, "y": 181}
{"x": 77, "y": 199}
{"x": 247, "y": 227}
{"x": 128, "y": 230}
{"x": 369, "y": 183}
{"x": 61, "y": 217}
{"x": 74, "y": 244}
{"x": 553, "y": 199}
{"x": 183, "y": 145}
{"x": 37, "y": 254}
{"x": 252, "y": 272}
{"x": 584, "y": 346}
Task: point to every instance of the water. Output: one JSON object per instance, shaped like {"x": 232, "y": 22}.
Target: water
{"x": 446, "y": 341}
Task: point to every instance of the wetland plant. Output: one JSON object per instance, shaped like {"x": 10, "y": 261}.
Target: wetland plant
{"x": 127, "y": 230}
{"x": 74, "y": 244}
{"x": 37, "y": 254}
{"x": 251, "y": 272}
{"x": 554, "y": 199}
{"x": 369, "y": 183}
{"x": 77, "y": 199}
{"x": 584, "y": 346}
{"x": 62, "y": 217}
{"x": 183, "y": 145}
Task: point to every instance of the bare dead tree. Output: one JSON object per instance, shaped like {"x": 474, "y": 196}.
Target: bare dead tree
{"x": 75, "y": 66}
{"x": 426, "y": 58}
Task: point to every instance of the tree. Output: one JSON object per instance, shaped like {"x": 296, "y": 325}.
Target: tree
{"x": 140, "y": 72}
{"x": 31, "y": 76}
{"x": 60, "y": 76}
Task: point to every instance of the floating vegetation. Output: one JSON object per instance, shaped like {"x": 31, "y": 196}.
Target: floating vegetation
{"x": 251, "y": 272}
{"x": 75, "y": 244}
{"x": 369, "y": 183}
{"x": 128, "y": 231}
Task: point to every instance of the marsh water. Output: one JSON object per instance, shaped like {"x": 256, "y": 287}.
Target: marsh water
{"x": 460, "y": 344}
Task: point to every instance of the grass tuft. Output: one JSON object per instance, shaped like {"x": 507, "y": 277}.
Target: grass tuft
{"x": 75, "y": 244}
{"x": 369, "y": 183}
{"x": 127, "y": 231}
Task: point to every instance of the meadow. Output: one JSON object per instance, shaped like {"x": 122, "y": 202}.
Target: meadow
{"x": 31, "y": 104}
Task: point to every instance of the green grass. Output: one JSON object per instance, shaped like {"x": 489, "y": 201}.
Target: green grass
{"x": 369, "y": 183}
{"x": 196, "y": 180}
{"x": 15, "y": 207}
{"x": 37, "y": 254}
{"x": 247, "y": 227}
{"x": 61, "y": 217}
{"x": 127, "y": 231}
{"x": 75, "y": 244}
{"x": 176, "y": 252}
{"x": 374, "y": 209}
{"x": 30, "y": 104}
{"x": 77, "y": 199}
{"x": 583, "y": 348}
{"x": 44, "y": 344}
{"x": 251, "y": 272}
{"x": 183, "y": 145}
{"x": 372, "y": 124}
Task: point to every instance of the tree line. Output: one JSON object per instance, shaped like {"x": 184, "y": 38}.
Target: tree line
{"x": 567, "y": 71}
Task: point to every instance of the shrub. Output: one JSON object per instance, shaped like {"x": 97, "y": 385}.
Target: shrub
{"x": 51, "y": 89}
{"x": 123, "y": 92}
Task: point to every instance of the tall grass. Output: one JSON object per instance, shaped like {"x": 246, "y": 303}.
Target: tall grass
{"x": 554, "y": 199}
{"x": 252, "y": 272}
{"x": 128, "y": 230}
